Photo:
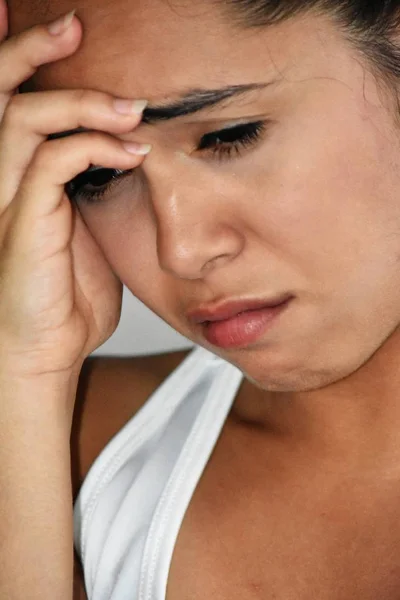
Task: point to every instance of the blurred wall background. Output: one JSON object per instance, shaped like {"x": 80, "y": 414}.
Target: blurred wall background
{"x": 140, "y": 331}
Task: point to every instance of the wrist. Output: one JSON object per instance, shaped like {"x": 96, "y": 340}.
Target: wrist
{"x": 46, "y": 398}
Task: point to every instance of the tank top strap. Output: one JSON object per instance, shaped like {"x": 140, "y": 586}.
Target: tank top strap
{"x": 184, "y": 478}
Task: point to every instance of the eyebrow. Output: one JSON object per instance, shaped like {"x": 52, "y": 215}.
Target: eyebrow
{"x": 190, "y": 103}
{"x": 195, "y": 101}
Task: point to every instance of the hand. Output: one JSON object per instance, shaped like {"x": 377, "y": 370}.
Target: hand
{"x": 59, "y": 299}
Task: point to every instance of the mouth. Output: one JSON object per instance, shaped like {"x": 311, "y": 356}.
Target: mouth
{"x": 244, "y": 327}
{"x": 232, "y": 308}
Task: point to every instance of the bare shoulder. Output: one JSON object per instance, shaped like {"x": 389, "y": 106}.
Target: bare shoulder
{"x": 110, "y": 391}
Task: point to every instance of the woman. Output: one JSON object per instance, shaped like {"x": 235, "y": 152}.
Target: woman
{"x": 244, "y": 186}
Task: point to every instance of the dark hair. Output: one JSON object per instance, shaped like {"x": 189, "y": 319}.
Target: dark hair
{"x": 371, "y": 25}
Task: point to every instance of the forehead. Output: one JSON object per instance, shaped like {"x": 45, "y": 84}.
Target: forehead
{"x": 151, "y": 48}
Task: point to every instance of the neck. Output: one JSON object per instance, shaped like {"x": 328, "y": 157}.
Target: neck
{"x": 360, "y": 412}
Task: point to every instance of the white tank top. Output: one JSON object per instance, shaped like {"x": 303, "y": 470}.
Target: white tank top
{"x": 132, "y": 502}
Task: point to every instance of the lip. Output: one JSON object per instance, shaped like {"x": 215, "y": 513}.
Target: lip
{"x": 232, "y": 308}
{"x": 244, "y": 328}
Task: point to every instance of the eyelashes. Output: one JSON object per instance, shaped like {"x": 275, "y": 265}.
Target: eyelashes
{"x": 96, "y": 182}
{"x": 228, "y": 141}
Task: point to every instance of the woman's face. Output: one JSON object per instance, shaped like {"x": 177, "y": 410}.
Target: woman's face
{"x": 305, "y": 201}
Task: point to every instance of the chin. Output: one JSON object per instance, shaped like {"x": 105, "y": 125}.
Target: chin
{"x": 280, "y": 373}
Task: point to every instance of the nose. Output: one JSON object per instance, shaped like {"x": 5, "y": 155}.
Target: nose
{"x": 195, "y": 228}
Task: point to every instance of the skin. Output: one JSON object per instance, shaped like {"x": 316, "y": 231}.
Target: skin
{"x": 311, "y": 209}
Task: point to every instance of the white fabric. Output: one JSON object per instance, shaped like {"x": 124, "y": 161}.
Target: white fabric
{"x": 132, "y": 502}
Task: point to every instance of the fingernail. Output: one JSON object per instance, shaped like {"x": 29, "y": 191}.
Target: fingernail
{"x": 128, "y": 107}
{"x": 135, "y": 148}
{"x": 60, "y": 25}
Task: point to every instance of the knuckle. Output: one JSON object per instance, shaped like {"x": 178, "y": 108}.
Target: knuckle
{"x": 24, "y": 45}
{"x": 14, "y": 109}
{"x": 44, "y": 156}
{"x": 83, "y": 98}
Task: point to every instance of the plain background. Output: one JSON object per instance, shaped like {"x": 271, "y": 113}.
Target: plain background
{"x": 140, "y": 331}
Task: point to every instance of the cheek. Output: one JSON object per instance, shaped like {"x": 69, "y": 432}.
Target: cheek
{"x": 129, "y": 245}
{"x": 127, "y": 239}
{"x": 329, "y": 204}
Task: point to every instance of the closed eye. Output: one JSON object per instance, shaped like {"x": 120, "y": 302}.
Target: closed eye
{"x": 93, "y": 184}
{"x": 232, "y": 139}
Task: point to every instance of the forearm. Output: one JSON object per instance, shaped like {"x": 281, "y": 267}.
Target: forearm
{"x": 36, "y": 531}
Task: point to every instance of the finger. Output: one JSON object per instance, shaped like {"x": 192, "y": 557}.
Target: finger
{"x": 89, "y": 258}
{"x": 32, "y": 117}
{"x": 56, "y": 163}
{"x": 22, "y": 54}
